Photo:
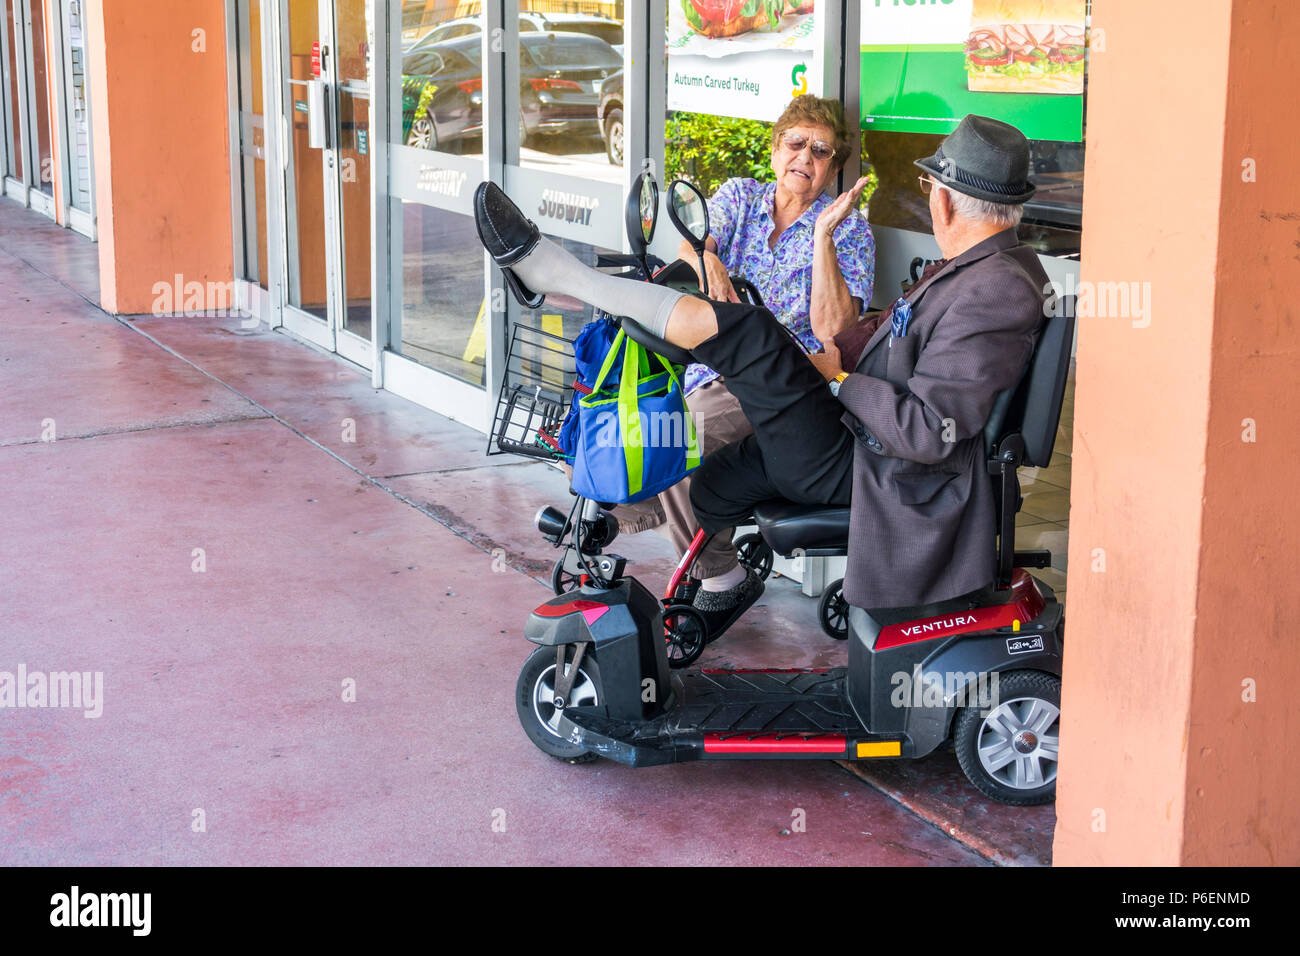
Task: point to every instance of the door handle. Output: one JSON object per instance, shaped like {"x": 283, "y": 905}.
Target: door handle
{"x": 317, "y": 115}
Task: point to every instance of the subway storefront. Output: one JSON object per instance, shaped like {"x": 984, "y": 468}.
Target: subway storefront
{"x": 360, "y": 129}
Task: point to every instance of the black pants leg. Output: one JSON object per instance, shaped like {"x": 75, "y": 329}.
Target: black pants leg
{"x": 799, "y": 450}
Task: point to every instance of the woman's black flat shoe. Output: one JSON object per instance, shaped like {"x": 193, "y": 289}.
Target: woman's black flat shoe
{"x": 508, "y": 235}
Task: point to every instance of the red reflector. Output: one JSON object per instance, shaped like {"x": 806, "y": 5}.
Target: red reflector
{"x": 773, "y": 744}
{"x": 569, "y": 607}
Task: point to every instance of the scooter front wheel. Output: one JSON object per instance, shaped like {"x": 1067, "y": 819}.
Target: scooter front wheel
{"x": 562, "y": 581}
{"x": 535, "y": 701}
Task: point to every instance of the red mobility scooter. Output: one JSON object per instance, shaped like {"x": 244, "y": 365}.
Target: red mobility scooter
{"x": 981, "y": 669}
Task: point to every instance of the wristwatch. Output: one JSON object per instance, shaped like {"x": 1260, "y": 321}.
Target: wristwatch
{"x": 836, "y": 382}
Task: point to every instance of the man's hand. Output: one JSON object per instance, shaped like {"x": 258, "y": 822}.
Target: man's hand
{"x": 828, "y": 361}
{"x": 838, "y": 211}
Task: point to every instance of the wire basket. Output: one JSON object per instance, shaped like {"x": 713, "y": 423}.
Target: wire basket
{"x": 536, "y": 391}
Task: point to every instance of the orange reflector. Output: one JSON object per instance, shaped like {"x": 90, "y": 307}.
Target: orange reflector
{"x": 881, "y": 748}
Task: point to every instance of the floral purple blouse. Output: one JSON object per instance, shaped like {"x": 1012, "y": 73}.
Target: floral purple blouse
{"x": 740, "y": 222}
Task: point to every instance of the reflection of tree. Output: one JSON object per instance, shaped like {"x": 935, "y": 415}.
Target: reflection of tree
{"x": 417, "y": 95}
{"x": 898, "y": 201}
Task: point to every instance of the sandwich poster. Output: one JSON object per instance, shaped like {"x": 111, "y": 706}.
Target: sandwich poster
{"x": 743, "y": 58}
{"x": 927, "y": 63}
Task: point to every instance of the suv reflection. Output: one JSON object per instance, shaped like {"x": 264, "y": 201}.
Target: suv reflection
{"x": 560, "y": 75}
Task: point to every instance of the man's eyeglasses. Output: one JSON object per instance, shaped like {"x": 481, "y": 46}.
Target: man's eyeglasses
{"x": 927, "y": 183}
{"x": 796, "y": 143}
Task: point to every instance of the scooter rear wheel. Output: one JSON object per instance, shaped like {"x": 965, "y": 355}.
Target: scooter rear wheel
{"x": 535, "y": 701}
{"x": 754, "y": 554}
{"x": 686, "y": 633}
{"x": 833, "y": 612}
{"x": 1011, "y": 755}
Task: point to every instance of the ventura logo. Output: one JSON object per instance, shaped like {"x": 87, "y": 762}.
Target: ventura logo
{"x": 441, "y": 182}
{"x": 567, "y": 207}
{"x": 943, "y": 625}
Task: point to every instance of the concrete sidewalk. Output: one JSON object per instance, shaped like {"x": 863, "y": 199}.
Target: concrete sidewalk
{"x": 200, "y": 531}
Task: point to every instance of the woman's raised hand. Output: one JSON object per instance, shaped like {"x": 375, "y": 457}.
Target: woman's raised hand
{"x": 839, "y": 210}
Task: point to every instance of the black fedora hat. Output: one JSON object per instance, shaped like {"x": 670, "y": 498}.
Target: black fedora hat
{"x": 984, "y": 158}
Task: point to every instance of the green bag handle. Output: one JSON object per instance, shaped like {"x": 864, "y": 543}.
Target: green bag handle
{"x": 630, "y": 421}
{"x": 636, "y": 359}
{"x": 608, "y": 363}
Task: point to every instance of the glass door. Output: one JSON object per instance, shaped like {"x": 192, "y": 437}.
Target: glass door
{"x": 326, "y": 68}
{"x": 564, "y": 158}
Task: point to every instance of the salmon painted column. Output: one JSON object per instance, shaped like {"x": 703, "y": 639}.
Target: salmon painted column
{"x": 162, "y": 162}
{"x": 1179, "y": 728}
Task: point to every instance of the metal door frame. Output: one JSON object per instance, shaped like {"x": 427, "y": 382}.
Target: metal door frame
{"x": 251, "y": 298}
{"x": 348, "y": 344}
{"x": 296, "y": 320}
{"x": 16, "y": 72}
{"x": 6, "y": 131}
{"x": 73, "y": 218}
{"x": 36, "y": 197}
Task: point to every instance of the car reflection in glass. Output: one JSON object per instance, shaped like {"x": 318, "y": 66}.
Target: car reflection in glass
{"x": 560, "y": 76}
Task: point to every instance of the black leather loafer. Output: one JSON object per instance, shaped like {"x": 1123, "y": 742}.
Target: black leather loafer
{"x": 508, "y": 235}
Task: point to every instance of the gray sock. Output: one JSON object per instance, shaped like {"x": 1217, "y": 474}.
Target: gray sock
{"x": 548, "y": 268}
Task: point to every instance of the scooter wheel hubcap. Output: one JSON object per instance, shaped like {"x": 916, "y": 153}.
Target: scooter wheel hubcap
{"x": 1018, "y": 743}
{"x": 548, "y": 706}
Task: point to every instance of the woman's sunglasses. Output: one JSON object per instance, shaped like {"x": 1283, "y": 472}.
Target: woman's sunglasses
{"x": 796, "y": 143}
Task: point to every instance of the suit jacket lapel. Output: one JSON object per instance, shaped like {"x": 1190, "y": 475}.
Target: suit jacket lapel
{"x": 996, "y": 243}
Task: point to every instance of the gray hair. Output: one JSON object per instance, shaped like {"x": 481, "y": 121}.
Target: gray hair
{"x": 1006, "y": 215}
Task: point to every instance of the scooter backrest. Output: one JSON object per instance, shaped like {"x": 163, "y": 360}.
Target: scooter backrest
{"x": 1033, "y": 408}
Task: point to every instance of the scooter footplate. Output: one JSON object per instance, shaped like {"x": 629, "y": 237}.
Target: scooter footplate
{"x": 779, "y": 714}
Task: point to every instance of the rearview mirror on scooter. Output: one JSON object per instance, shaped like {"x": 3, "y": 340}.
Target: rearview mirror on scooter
{"x": 640, "y": 216}
{"x": 690, "y": 214}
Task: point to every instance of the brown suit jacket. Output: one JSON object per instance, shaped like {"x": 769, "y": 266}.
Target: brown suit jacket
{"x": 922, "y": 520}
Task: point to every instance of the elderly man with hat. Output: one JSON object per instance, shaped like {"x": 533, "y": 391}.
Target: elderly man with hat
{"x": 897, "y": 435}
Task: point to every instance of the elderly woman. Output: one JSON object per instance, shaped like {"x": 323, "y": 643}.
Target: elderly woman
{"x": 812, "y": 258}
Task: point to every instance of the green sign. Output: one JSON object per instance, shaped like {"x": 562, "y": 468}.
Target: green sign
{"x": 926, "y": 65}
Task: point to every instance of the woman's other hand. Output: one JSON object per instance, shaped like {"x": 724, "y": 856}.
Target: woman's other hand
{"x": 720, "y": 287}
{"x": 838, "y": 210}
{"x": 719, "y": 282}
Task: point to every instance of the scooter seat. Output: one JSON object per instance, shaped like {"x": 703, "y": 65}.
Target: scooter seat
{"x": 786, "y": 526}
